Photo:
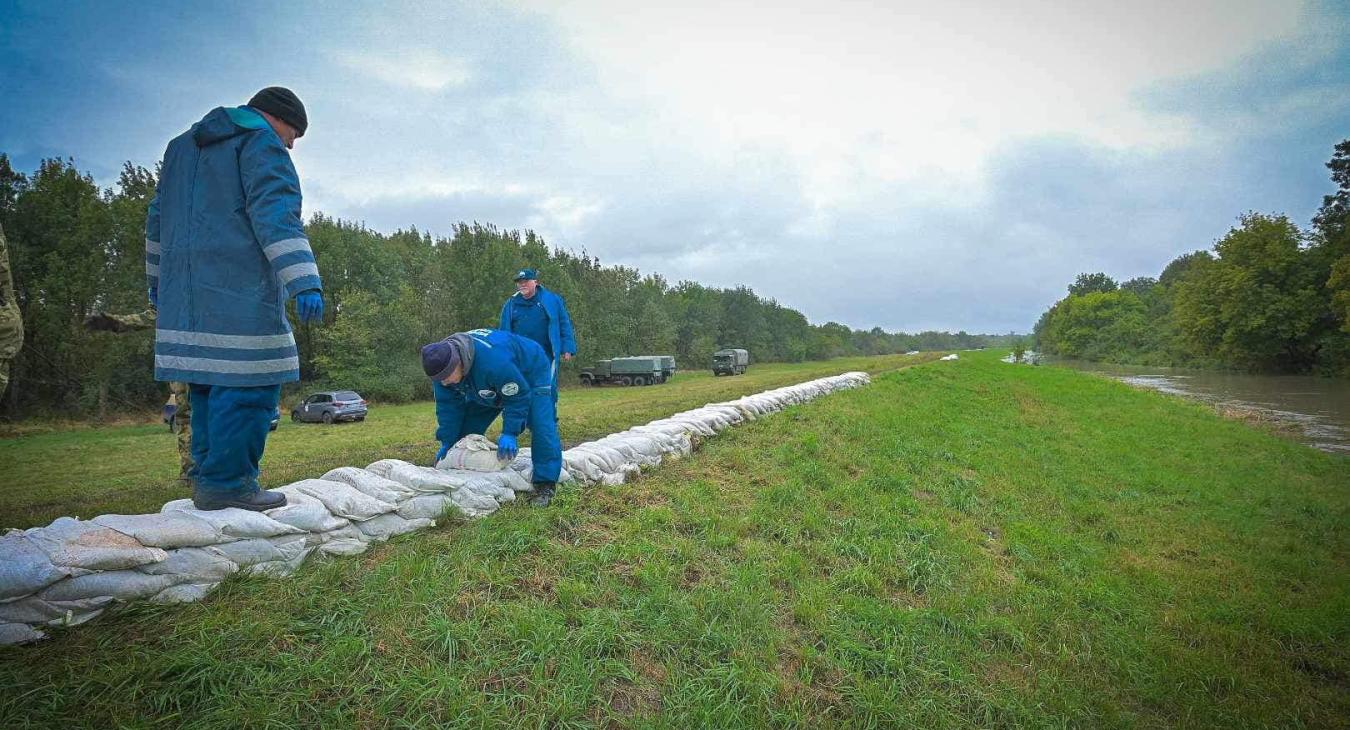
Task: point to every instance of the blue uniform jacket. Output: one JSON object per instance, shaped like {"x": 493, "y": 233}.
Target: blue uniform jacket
{"x": 225, "y": 247}
{"x": 560, "y": 335}
{"x": 507, "y": 369}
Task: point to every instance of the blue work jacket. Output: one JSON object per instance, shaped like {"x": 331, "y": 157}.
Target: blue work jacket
{"x": 225, "y": 247}
{"x": 560, "y": 336}
{"x": 507, "y": 369}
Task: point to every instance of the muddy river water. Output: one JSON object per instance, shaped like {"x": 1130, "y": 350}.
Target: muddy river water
{"x": 1318, "y": 409}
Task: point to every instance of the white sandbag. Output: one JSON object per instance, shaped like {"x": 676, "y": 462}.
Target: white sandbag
{"x": 24, "y": 568}
{"x": 305, "y": 512}
{"x": 194, "y": 565}
{"x": 14, "y": 634}
{"x": 420, "y": 478}
{"x": 472, "y": 453}
{"x": 292, "y": 551}
{"x": 183, "y": 593}
{"x": 36, "y": 611}
{"x": 172, "y": 529}
{"x": 582, "y": 465}
{"x": 473, "y": 504}
{"x": 343, "y": 500}
{"x": 123, "y": 585}
{"x": 388, "y": 525}
{"x": 489, "y": 488}
{"x": 72, "y": 543}
{"x": 370, "y": 484}
{"x": 234, "y": 522}
{"x": 344, "y": 546}
{"x": 950, "y": 357}
{"x": 427, "y": 506}
{"x": 247, "y": 553}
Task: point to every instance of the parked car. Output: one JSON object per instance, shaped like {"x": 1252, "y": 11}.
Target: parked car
{"x": 329, "y": 406}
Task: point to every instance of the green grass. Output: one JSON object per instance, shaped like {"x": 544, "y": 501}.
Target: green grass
{"x": 959, "y": 544}
{"x": 131, "y": 469}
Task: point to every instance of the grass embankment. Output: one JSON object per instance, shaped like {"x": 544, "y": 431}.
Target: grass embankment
{"x": 130, "y": 469}
{"x": 959, "y": 544}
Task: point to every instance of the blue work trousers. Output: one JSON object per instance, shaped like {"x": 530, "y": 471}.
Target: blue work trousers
{"x": 229, "y": 433}
{"x": 545, "y": 443}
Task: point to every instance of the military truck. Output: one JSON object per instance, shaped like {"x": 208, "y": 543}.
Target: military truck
{"x": 641, "y": 370}
{"x": 667, "y": 364}
{"x": 730, "y": 361}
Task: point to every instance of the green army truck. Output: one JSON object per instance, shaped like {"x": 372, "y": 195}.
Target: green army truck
{"x": 730, "y": 361}
{"x": 642, "y": 370}
{"x": 667, "y": 364}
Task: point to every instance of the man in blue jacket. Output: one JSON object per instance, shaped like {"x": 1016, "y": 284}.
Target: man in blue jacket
{"x": 538, "y": 314}
{"x": 479, "y": 374}
{"x": 224, "y": 249}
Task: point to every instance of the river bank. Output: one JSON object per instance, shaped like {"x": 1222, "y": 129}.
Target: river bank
{"x": 1313, "y": 410}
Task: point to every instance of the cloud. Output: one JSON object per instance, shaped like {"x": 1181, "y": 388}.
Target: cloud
{"x": 901, "y": 165}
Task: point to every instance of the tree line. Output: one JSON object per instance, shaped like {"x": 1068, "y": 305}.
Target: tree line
{"x": 77, "y": 249}
{"x": 1270, "y": 297}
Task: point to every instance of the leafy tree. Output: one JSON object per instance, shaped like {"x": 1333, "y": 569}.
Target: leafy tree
{"x": 1088, "y": 283}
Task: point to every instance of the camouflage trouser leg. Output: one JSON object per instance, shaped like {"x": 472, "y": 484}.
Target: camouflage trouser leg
{"x": 4, "y": 376}
{"x": 182, "y": 421}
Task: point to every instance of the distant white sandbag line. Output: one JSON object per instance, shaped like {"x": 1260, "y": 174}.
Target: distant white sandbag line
{"x": 72, "y": 570}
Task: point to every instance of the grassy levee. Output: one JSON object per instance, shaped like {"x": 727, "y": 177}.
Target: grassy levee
{"x": 959, "y": 544}
{"x": 131, "y": 469}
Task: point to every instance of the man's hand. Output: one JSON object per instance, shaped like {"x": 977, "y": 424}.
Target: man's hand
{"x": 506, "y": 447}
{"x": 567, "y": 356}
{"x": 445, "y": 449}
{"x": 154, "y": 295}
{"x": 309, "y": 305}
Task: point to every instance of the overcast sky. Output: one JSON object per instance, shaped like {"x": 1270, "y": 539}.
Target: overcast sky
{"x": 937, "y": 165}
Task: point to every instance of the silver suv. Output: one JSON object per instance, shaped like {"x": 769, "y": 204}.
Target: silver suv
{"x": 329, "y": 406}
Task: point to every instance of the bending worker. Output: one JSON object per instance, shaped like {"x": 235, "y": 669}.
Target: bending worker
{"x": 481, "y": 373}
{"x": 538, "y": 314}
{"x": 224, "y": 249}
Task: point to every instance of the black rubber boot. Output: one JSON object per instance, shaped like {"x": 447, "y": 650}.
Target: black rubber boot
{"x": 543, "y": 494}
{"x": 256, "y": 501}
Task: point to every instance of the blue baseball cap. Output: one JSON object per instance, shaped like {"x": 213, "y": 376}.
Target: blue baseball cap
{"x": 527, "y": 274}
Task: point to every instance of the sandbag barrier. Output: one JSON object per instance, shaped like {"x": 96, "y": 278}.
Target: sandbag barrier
{"x": 72, "y": 570}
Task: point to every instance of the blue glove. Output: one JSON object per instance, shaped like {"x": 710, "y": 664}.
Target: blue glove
{"x": 309, "y": 305}
{"x": 445, "y": 449}
{"x": 154, "y": 296}
{"x": 506, "y": 447}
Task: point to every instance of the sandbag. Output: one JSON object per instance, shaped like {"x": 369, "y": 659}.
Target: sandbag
{"x": 123, "y": 585}
{"x": 473, "y": 504}
{"x": 305, "y": 512}
{"x": 169, "y": 530}
{"x": 388, "y": 525}
{"x": 24, "y": 568}
{"x": 370, "y": 484}
{"x": 195, "y": 565}
{"x": 183, "y": 593}
{"x": 234, "y": 522}
{"x": 34, "y": 611}
{"x": 420, "y": 478}
{"x": 12, "y": 634}
{"x": 472, "y": 453}
{"x": 76, "y": 544}
{"x": 428, "y": 506}
{"x": 247, "y": 553}
{"x": 343, "y": 500}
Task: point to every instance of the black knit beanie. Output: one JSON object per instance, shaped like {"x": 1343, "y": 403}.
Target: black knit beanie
{"x": 283, "y": 104}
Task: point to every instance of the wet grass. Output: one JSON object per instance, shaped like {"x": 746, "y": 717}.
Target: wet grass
{"x": 959, "y": 544}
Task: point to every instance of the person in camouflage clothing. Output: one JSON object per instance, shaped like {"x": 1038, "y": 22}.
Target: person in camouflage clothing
{"x": 182, "y": 420}
{"x": 11, "y": 320}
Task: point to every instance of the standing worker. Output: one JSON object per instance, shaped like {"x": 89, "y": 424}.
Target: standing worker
{"x": 479, "y": 374}
{"x": 11, "y": 319}
{"x": 182, "y": 423}
{"x": 224, "y": 248}
{"x": 538, "y": 314}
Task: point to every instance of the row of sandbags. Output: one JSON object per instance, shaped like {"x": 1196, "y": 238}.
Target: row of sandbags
{"x": 72, "y": 570}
